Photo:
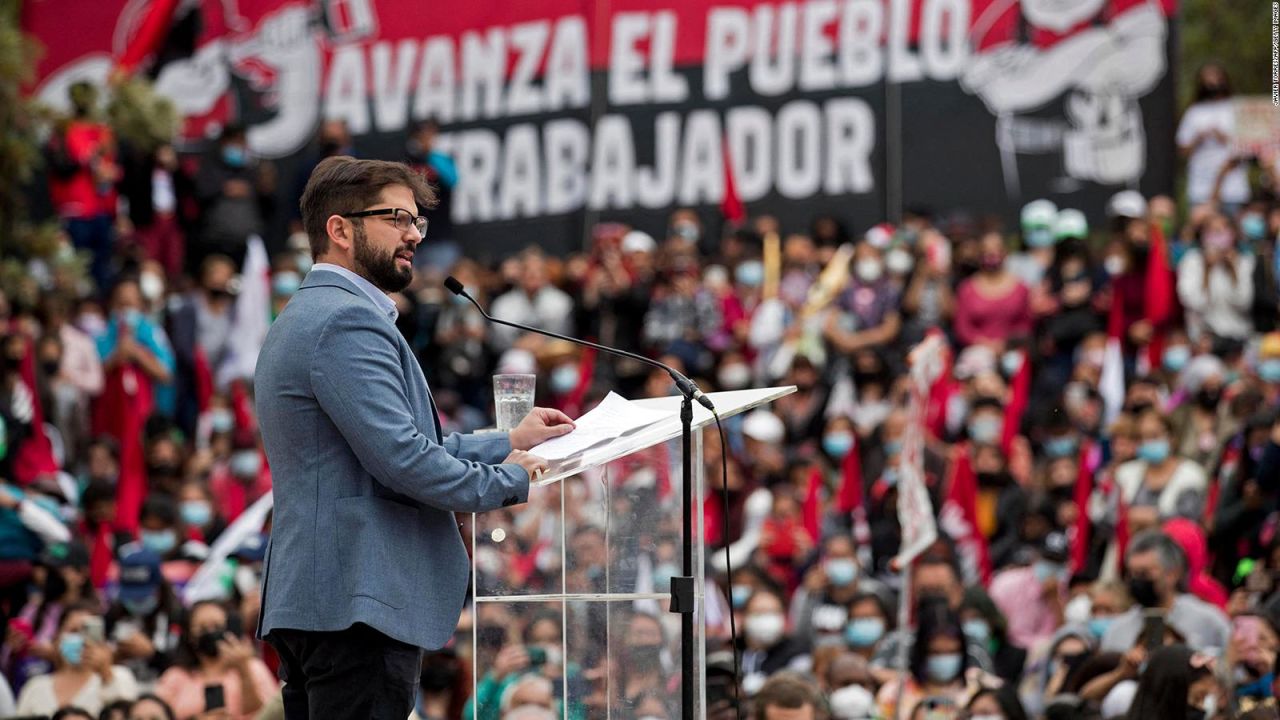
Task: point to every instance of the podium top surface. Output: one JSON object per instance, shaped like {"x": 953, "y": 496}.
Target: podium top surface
{"x": 728, "y": 404}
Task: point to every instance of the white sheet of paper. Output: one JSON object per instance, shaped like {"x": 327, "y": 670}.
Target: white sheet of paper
{"x": 614, "y": 417}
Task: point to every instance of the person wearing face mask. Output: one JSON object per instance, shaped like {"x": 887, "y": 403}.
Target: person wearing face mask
{"x": 84, "y": 676}
{"x": 214, "y": 653}
{"x": 66, "y": 584}
{"x": 1031, "y": 595}
{"x": 1159, "y": 484}
{"x": 1178, "y": 683}
{"x": 992, "y": 305}
{"x": 1204, "y": 138}
{"x": 1156, "y": 568}
{"x": 236, "y": 194}
{"x": 820, "y": 604}
{"x": 767, "y": 647}
{"x": 1215, "y": 283}
{"x": 140, "y": 619}
{"x": 866, "y": 315}
{"x": 938, "y": 661}
{"x": 929, "y": 300}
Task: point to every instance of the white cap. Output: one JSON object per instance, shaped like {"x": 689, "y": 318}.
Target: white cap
{"x": 638, "y": 241}
{"x": 1039, "y": 214}
{"x": 1070, "y": 223}
{"x": 974, "y": 361}
{"x": 763, "y": 426}
{"x": 1127, "y": 204}
{"x": 517, "y": 361}
{"x": 852, "y": 703}
{"x": 879, "y": 236}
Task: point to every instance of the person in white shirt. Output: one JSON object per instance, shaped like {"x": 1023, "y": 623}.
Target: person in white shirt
{"x": 534, "y": 302}
{"x": 1204, "y": 138}
{"x": 1215, "y": 283}
{"x": 85, "y": 676}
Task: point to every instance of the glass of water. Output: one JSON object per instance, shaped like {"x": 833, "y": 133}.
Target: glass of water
{"x": 512, "y": 399}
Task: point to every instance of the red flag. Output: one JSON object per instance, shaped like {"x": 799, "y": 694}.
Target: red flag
{"x": 849, "y": 497}
{"x": 1122, "y": 520}
{"x": 812, "y": 511}
{"x": 731, "y": 206}
{"x": 149, "y": 36}
{"x": 101, "y": 555}
{"x": 34, "y": 456}
{"x": 1159, "y": 293}
{"x": 1084, "y": 488}
{"x": 1017, "y": 404}
{"x": 122, "y": 411}
{"x": 960, "y": 517}
{"x": 204, "y": 380}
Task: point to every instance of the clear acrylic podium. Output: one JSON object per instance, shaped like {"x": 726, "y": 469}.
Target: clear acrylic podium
{"x": 579, "y": 578}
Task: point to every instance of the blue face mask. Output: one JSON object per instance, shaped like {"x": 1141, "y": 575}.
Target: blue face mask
{"x": 944, "y": 668}
{"x": 285, "y": 283}
{"x": 1045, "y": 570}
{"x": 738, "y": 595}
{"x": 890, "y": 476}
{"x": 564, "y": 379}
{"x": 235, "y": 156}
{"x": 837, "y": 445}
{"x": 1011, "y": 363}
{"x": 1269, "y": 370}
{"x": 1254, "y": 226}
{"x": 304, "y": 262}
{"x": 1098, "y": 626}
{"x": 984, "y": 431}
{"x": 1039, "y": 237}
{"x": 143, "y": 607}
{"x": 864, "y": 632}
{"x": 131, "y": 317}
{"x": 977, "y": 630}
{"x": 662, "y": 576}
{"x": 892, "y": 447}
{"x": 1060, "y": 447}
{"x": 1154, "y": 451}
{"x": 71, "y": 648}
{"x": 841, "y": 571}
{"x": 1176, "y": 358}
{"x": 750, "y": 273}
{"x": 160, "y": 542}
{"x": 196, "y": 512}
{"x": 221, "y": 421}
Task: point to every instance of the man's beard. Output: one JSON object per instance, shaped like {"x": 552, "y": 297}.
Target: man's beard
{"x": 378, "y": 267}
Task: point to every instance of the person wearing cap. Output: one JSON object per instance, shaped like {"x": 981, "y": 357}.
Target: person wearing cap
{"x": 1038, "y": 239}
{"x": 141, "y": 616}
{"x": 1031, "y": 595}
{"x": 365, "y": 566}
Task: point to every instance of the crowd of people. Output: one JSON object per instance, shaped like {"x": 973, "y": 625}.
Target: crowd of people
{"x": 1101, "y": 451}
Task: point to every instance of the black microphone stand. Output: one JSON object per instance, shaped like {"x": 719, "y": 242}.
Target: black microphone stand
{"x": 682, "y": 587}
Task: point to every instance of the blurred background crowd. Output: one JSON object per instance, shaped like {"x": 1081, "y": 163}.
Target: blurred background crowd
{"x": 1102, "y": 450}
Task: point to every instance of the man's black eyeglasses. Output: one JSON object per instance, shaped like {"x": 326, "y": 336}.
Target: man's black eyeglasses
{"x": 401, "y": 218}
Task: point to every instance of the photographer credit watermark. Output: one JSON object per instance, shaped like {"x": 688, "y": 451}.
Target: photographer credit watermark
{"x": 1275, "y": 53}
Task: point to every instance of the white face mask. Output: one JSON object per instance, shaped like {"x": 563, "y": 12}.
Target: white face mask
{"x": 1114, "y": 265}
{"x": 151, "y": 285}
{"x": 899, "y": 261}
{"x": 868, "y": 271}
{"x": 765, "y": 629}
{"x": 734, "y": 377}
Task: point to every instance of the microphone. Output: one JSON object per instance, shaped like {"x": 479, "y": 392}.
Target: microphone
{"x": 684, "y": 384}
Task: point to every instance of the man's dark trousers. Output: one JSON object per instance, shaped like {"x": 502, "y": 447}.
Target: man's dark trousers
{"x": 352, "y": 673}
